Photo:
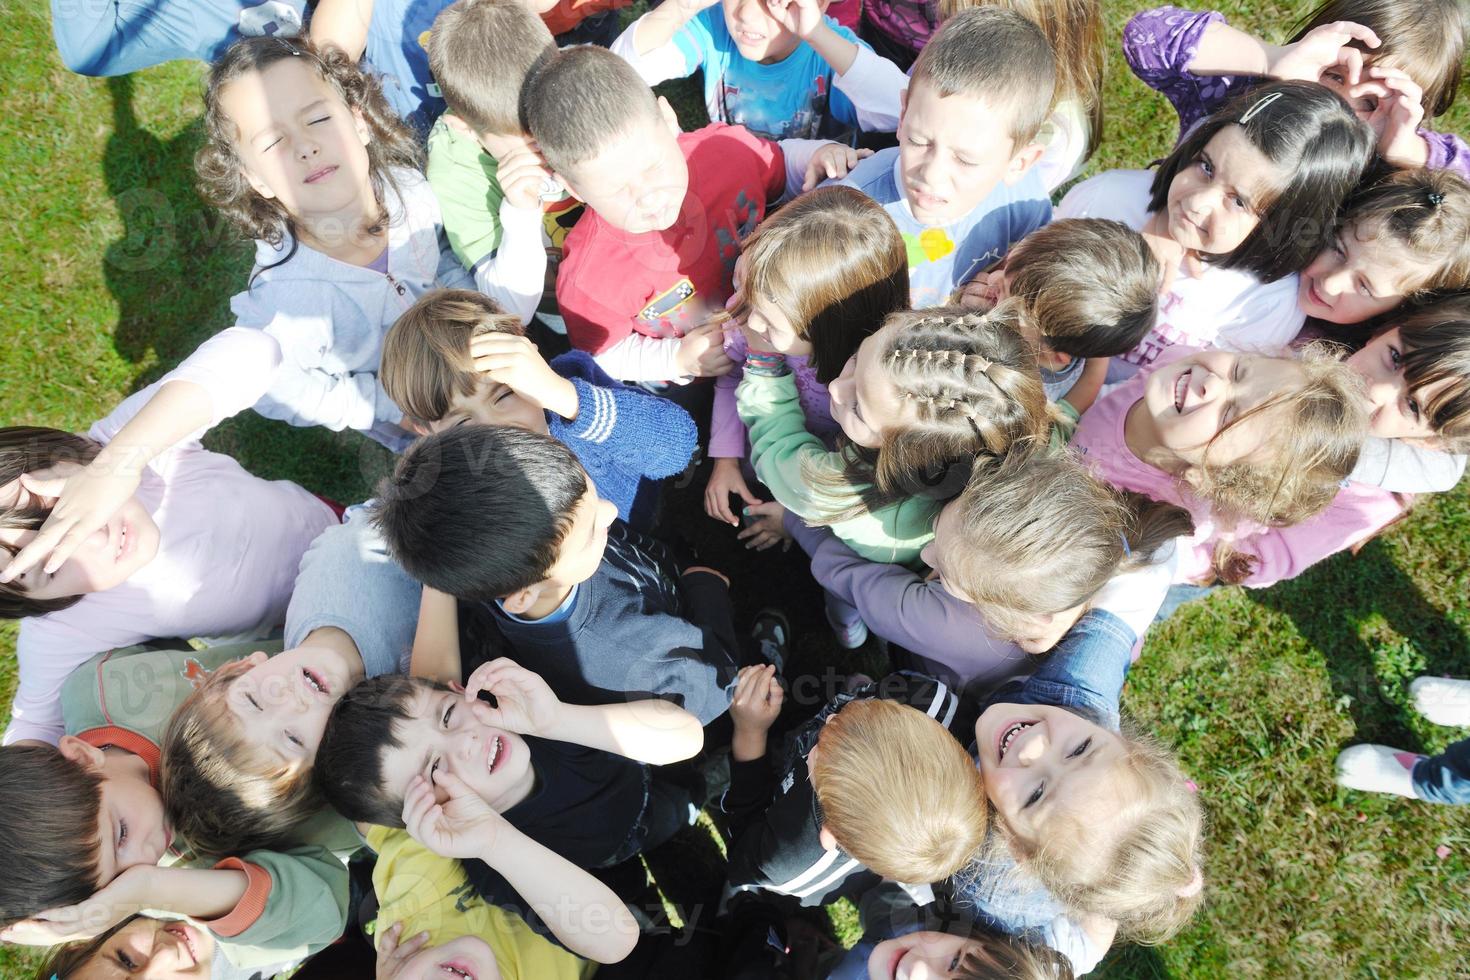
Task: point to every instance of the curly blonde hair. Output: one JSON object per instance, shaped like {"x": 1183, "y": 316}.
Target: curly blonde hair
{"x": 221, "y": 172}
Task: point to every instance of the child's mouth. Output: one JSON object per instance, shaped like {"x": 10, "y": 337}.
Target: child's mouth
{"x": 1181, "y": 388}
{"x": 321, "y": 174}
{"x": 1315, "y": 295}
{"x": 492, "y": 758}
{"x": 747, "y": 37}
{"x": 182, "y": 931}
{"x": 315, "y": 682}
{"x": 457, "y": 969}
{"x": 1008, "y": 735}
{"x": 925, "y": 202}
{"x": 124, "y": 543}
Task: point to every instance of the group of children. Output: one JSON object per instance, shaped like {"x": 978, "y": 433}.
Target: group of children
{"x": 1007, "y": 438}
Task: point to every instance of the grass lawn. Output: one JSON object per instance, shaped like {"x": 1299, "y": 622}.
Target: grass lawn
{"x": 115, "y": 271}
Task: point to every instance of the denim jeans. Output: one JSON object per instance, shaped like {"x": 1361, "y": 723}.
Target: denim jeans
{"x": 1445, "y": 778}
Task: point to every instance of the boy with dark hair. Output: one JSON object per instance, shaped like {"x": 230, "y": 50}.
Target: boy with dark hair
{"x": 509, "y": 519}
{"x": 652, "y": 259}
{"x": 265, "y": 907}
{"x": 961, "y": 184}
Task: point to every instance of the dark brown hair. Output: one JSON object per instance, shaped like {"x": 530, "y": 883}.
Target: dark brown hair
{"x": 1436, "y": 348}
{"x": 26, "y": 449}
{"x": 426, "y": 355}
{"x": 48, "y": 830}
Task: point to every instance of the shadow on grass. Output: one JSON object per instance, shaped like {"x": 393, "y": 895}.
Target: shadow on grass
{"x": 1134, "y": 963}
{"x": 173, "y": 273}
{"x": 1328, "y": 605}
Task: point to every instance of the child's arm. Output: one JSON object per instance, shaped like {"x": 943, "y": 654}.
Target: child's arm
{"x": 436, "y": 653}
{"x": 1082, "y": 394}
{"x": 871, "y": 84}
{"x": 515, "y": 273}
{"x": 655, "y": 30}
{"x": 343, "y": 24}
{"x": 755, "y": 707}
{"x": 583, "y": 914}
{"x": 1224, "y": 50}
{"x": 654, "y": 731}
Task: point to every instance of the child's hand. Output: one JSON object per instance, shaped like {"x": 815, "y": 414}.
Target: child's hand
{"x": 524, "y": 177}
{"x": 724, "y": 479}
{"x": 757, "y": 701}
{"x": 527, "y": 705}
{"x": 702, "y": 352}
{"x": 765, "y": 526}
{"x": 1397, "y": 116}
{"x": 125, "y": 895}
{"x": 1323, "y": 48}
{"x": 391, "y": 955}
{"x": 463, "y": 826}
{"x": 516, "y": 363}
{"x": 831, "y": 162}
{"x": 800, "y": 17}
{"x": 82, "y": 499}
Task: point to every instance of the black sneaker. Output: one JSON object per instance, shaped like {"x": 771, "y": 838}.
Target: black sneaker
{"x": 772, "y": 635}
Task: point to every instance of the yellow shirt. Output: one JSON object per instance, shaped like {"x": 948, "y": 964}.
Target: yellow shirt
{"x": 424, "y": 891}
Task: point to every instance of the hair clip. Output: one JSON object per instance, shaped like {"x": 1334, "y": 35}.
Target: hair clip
{"x": 1436, "y": 198}
{"x": 1265, "y": 101}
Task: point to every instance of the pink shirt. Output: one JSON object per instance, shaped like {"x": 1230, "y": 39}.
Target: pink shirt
{"x": 1357, "y": 513}
{"x": 229, "y": 547}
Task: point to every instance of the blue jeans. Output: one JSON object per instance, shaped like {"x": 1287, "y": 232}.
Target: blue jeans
{"x": 1445, "y": 778}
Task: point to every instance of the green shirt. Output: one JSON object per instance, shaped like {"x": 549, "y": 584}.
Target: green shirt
{"x": 462, "y": 176}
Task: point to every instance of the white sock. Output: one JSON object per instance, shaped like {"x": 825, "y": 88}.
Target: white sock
{"x": 1376, "y": 769}
{"x": 1443, "y": 700}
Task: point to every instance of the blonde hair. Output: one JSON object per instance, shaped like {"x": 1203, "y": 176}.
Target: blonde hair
{"x": 1039, "y": 534}
{"x": 1426, "y": 214}
{"x": 221, "y": 793}
{"x": 1148, "y": 878}
{"x": 898, "y": 792}
{"x": 974, "y": 386}
{"x": 834, "y": 264}
{"x": 426, "y": 354}
{"x": 1074, "y": 29}
{"x": 480, "y": 52}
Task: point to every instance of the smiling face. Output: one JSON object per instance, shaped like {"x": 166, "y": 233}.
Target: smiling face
{"x": 442, "y": 734}
{"x": 1360, "y": 274}
{"x": 298, "y": 140}
{"x": 281, "y": 704}
{"x": 1040, "y": 760}
{"x": 637, "y": 182}
{"x": 152, "y": 949}
{"x": 864, "y": 402}
{"x": 756, "y": 34}
{"x": 919, "y": 956}
{"x": 1396, "y": 412}
{"x": 1216, "y": 201}
{"x": 464, "y": 958}
{"x": 1186, "y": 404}
{"x": 953, "y": 151}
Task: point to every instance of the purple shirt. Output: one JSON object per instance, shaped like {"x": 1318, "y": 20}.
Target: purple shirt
{"x": 727, "y": 434}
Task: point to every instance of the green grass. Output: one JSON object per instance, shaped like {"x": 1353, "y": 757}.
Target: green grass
{"x": 114, "y": 271}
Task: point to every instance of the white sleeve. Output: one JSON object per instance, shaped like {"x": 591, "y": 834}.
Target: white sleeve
{"x": 873, "y": 84}
{"x": 1065, "y": 135}
{"x": 659, "y": 65}
{"x": 1268, "y": 320}
{"x": 639, "y": 358}
{"x": 515, "y": 274}
{"x": 1135, "y": 596}
{"x": 798, "y": 154}
{"x": 1069, "y": 938}
{"x": 1398, "y": 467}
{"x": 45, "y": 657}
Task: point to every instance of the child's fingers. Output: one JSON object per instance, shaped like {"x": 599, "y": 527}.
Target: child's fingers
{"x": 1356, "y": 32}
{"x": 388, "y": 940}
{"x": 1352, "y": 65}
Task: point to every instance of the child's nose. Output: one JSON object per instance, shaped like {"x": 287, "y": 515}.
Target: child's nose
{"x": 1033, "y": 748}
{"x": 1335, "y": 283}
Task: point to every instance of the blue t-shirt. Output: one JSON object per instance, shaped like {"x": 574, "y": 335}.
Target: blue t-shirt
{"x": 791, "y": 99}
{"x": 117, "y": 37}
{"x": 943, "y": 257}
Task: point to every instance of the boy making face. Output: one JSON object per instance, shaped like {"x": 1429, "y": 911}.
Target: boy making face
{"x": 959, "y": 184}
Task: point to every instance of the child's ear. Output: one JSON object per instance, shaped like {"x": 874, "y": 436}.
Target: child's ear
{"x": 257, "y": 185}
{"x": 364, "y": 131}
{"x": 671, "y": 118}
{"x": 519, "y": 603}
{"x": 903, "y": 103}
{"x": 257, "y": 658}
{"x": 416, "y": 427}
{"x": 1023, "y": 161}
{"x": 87, "y": 756}
{"x": 828, "y": 842}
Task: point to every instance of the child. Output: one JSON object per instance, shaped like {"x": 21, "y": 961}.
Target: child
{"x": 781, "y": 71}
{"x": 959, "y": 184}
{"x": 108, "y": 849}
{"x": 1395, "y": 60}
{"x": 874, "y": 786}
{"x": 1091, "y": 286}
{"x": 651, "y": 260}
{"x": 509, "y": 520}
{"x": 1403, "y": 238}
{"x": 816, "y": 278}
{"x": 488, "y": 180}
{"x": 162, "y": 559}
{"x": 1441, "y": 778}
{"x": 455, "y": 357}
{"x": 238, "y": 752}
{"x": 1234, "y": 212}
{"x": 1246, "y": 443}
{"x": 567, "y": 777}
{"x": 1092, "y": 822}
{"x": 148, "y": 947}
{"x": 1017, "y": 558}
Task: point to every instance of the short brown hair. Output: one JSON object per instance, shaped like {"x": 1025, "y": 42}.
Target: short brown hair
{"x": 577, "y": 99}
{"x": 480, "y": 52}
{"x": 221, "y": 793}
{"x": 833, "y": 262}
{"x": 26, "y": 449}
{"x": 48, "y": 831}
{"x": 995, "y": 55}
{"x": 898, "y": 792}
{"x": 1091, "y": 285}
{"x": 426, "y": 355}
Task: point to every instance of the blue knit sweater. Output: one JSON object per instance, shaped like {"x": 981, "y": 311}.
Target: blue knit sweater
{"x": 627, "y": 439}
